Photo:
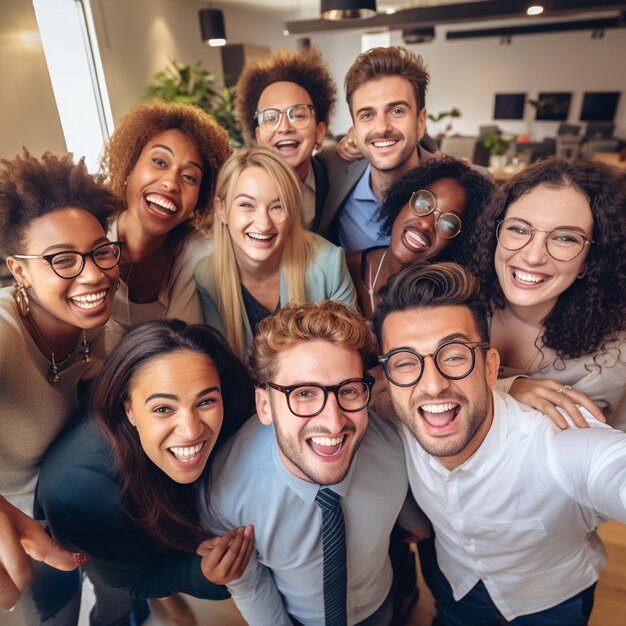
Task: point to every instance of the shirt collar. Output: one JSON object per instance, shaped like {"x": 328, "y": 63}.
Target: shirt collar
{"x": 303, "y": 488}
{"x": 363, "y": 188}
{"x": 309, "y": 179}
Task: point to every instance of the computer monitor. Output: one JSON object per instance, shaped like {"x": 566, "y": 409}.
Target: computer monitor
{"x": 553, "y": 106}
{"x": 599, "y": 106}
{"x": 509, "y": 106}
{"x": 599, "y": 130}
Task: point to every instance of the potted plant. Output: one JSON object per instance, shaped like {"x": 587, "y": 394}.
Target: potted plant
{"x": 497, "y": 145}
{"x": 194, "y": 84}
{"x": 452, "y": 113}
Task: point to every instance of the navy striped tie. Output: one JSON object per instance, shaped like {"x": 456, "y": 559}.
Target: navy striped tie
{"x": 334, "y": 552}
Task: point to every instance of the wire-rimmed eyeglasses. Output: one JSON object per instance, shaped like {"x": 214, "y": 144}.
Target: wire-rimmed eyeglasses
{"x": 70, "y": 263}
{"x": 454, "y": 360}
{"x": 309, "y": 399}
{"x": 299, "y": 116}
{"x": 424, "y": 202}
{"x": 562, "y": 244}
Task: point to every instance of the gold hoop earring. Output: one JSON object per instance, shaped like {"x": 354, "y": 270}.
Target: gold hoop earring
{"x": 21, "y": 299}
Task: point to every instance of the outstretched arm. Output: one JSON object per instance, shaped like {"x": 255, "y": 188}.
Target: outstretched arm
{"x": 20, "y": 538}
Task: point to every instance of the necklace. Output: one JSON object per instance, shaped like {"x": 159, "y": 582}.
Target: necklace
{"x": 372, "y": 285}
{"x": 53, "y": 372}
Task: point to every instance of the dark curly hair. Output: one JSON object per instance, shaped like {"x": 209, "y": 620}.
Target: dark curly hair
{"x": 590, "y": 313}
{"x": 143, "y": 122}
{"x": 478, "y": 190}
{"x": 31, "y": 187}
{"x": 305, "y": 67}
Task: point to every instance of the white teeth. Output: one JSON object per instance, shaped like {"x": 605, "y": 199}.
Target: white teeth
{"x": 327, "y": 441}
{"x": 186, "y": 454}
{"x": 384, "y": 144}
{"x": 286, "y": 144}
{"x": 416, "y": 237}
{"x": 523, "y": 277}
{"x": 438, "y": 408}
{"x": 164, "y": 203}
{"x": 259, "y": 237}
{"x": 90, "y": 300}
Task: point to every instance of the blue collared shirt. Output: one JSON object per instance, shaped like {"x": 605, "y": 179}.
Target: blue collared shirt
{"x": 357, "y": 227}
{"x": 251, "y": 485}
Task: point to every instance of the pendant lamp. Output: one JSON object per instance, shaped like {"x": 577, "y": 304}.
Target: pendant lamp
{"x": 212, "y": 27}
{"x": 347, "y": 9}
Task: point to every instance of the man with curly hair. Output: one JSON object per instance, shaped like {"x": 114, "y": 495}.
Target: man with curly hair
{"x": 284, "y": 102}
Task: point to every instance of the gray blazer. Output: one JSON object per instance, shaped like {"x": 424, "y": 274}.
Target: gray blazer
{"x": 342, "y": 178}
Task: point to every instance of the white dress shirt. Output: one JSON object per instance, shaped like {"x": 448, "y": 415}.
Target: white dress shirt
{"x": 251, "y": 485}
{"x": 521, "y": 513}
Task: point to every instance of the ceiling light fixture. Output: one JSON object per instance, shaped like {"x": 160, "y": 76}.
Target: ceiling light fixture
{"x": 536, "y": 9}
{"x": 212, "y": 27}
{"x": 347, "y": 9}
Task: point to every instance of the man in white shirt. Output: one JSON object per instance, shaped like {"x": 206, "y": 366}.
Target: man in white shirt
{"x": 514, "y": 501}
{"x": 313, "y": 434}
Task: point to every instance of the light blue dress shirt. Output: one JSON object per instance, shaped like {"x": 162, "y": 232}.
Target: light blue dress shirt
{"x": 251, "y": 485}
{"x": 357, "y": 227}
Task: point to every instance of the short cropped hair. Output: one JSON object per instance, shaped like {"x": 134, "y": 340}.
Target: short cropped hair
{"x": 296, "y": 323}
{"x": 146, "y": 120}
{"x": 393, "y": 61}
{"x": 425, "y": 286}
{"x": 305, "y": 68}
{"x": 31, "y": 187}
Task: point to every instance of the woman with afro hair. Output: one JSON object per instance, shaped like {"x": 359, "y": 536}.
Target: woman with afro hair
{"x": 550, "y": 256}
{"x": 162, "y": 160}
{"x": 429, "y": 213}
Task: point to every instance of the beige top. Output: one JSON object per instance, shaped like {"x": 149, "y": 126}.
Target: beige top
{"x": 178, "y": 298}
{"x": 33, "y": 411}
{"x": 307, "y": 186}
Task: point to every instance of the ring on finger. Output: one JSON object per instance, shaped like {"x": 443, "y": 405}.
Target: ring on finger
{"x": 564, "y": 388}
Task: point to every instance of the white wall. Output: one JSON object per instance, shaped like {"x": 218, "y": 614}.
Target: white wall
{"x": 468, "y": 73}
{"x": 137, "y": 38}
{"x": 28, "y": 113}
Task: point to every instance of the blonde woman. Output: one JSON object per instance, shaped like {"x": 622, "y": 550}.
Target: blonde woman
{"x": 262, "y": 257}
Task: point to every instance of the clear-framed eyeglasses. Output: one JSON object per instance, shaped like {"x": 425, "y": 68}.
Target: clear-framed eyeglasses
{"x": 309, "y": 399}
{"x": 299, "y": 116}
{"x": 70, "y": 263}
{"x": 424, "y": 202}
{"x": 454, "y": 360}
{"x": 562, "y": 244}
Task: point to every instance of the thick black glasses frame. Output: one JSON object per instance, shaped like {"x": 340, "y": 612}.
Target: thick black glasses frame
{"x": 472, "y": 345}
{"x": 84, "y": 255}
{"x": 287, "y": 390}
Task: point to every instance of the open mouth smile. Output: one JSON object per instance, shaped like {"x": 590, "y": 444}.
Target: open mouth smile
{"x": 89, "y": 301}
{"x": 439, "y": 416}
{"x": 287, "y": 145}
{"x": 160, "y": 204}
{"x": 415, "y": 240}
{"x": 186, "y": 454}
{"x": 529, "y": 279}
{"x": 326, "y": 446}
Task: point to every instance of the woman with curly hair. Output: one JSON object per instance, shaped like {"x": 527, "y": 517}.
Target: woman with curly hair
{"x": 429, "y": 214}
{"x": 262, "y": 257}
{"x": 162, "y": 159}
{"x": 550, "y": 257}
{"x": 53, "y": 219}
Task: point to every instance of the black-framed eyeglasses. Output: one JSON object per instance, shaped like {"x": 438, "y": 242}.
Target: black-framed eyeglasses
{"x": 562, "y": 244}
{"x": 70, "y": 263}
{"x": 424, "y": 202}
{"x": 454, "y": 360}
{"x": 299, "y": 116}
{"x": 309, "y": 399}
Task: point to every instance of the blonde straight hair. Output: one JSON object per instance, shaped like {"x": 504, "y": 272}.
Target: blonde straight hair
{"x": 299, "y": 248}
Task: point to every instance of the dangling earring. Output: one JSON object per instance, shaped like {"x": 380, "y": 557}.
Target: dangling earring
{"x": 21, "y": 299}
{"x": 84, "y": 347}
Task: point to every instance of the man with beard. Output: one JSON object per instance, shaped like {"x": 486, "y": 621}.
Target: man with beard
{"x": 313, "y": 442}
{"x": 513, "y": 500}
{"x": 385, "y": 90}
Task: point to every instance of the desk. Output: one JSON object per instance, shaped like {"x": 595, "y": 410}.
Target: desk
{"x": 610, "y": 158}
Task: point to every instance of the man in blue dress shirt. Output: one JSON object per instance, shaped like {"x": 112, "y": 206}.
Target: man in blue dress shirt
{"x": 313, "y": 430}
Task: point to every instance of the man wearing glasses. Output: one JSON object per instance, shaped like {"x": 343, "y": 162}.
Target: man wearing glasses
{"x": 322, "y": 480}
{"x": 284, "y": 102}
{"x": 513, "y": 500}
